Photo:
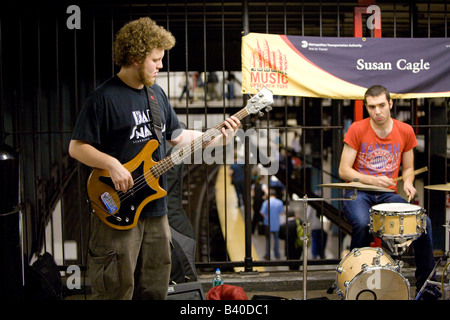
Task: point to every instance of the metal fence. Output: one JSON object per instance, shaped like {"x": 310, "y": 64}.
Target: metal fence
{"x": 50, "y": 61}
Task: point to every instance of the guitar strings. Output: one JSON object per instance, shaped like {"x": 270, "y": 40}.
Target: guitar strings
{"x": 141, "y": 181}
{"x": 155, "y": 172}
{"x": 162, "y": 166}
{"x": 167, "y": 163}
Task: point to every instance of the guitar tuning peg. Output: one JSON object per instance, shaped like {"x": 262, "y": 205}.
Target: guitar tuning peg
{"x": 268, "y": 108}
{"x": 260, "y": 113}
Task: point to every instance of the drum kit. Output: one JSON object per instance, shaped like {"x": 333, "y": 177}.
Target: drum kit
{"x": 370, "y": 273}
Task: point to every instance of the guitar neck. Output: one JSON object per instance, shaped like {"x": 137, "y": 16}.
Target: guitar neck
{"x": 178, "y": 156}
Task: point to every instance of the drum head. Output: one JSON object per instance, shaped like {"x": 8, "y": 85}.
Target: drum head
{"x": 396, "y": 207}
{"x": 378, "y": 283}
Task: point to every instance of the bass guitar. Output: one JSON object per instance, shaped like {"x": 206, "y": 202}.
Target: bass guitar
{"x": 121, "y": 210}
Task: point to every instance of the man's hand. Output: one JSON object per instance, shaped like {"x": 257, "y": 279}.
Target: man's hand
{"x": 409, "y": 189}
{"x": 120, "y": 176}
{"x": 382, "y": 181}
{"x": 90, "y": 156}
{"x": 232, "y": 124}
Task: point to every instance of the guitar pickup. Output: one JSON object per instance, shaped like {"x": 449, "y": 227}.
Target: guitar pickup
{"x": 109, "y": 202}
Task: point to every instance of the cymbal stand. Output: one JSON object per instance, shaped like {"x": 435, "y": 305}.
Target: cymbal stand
{"x": 444, "y": 286}
{"x": 305, "y": 237}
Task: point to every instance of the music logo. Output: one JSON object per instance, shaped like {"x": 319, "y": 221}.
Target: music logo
{"x": 269, "y": 67}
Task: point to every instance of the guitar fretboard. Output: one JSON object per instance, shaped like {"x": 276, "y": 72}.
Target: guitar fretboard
{"x": 178, "y": 156}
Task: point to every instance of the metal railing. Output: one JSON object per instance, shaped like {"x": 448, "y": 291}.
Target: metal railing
{"x": 48, "y": 67}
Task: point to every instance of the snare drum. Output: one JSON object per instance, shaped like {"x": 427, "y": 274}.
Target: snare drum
{"x": 397, "y": 220}
{"x": 370, "y": 274}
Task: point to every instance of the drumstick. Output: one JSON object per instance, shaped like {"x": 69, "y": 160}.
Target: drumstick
{"x": 416, "y": 172}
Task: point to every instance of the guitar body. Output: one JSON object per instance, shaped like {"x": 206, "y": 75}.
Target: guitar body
{"x": 123, "y": 210}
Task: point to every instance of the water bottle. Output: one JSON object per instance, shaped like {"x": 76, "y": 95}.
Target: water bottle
{"x": 217, "y": 281}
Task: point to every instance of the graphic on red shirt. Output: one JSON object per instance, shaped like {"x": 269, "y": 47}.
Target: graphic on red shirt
{"x": 381, "y": 160}
{"x": 377, "y": 156}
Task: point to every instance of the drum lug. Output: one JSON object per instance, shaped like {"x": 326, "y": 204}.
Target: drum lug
{"x": 423, "y": 223}
{"x": 339, "y": 270}
{"x": 356, "y": 252}
{"x": 346, "y": 283}
{"x": 399, "y": 266}
{"x": 376, "y": 261}
{"x": 364, "y": 267}
{"x": 340, "y": 293}
{"x": 401, "y": 218}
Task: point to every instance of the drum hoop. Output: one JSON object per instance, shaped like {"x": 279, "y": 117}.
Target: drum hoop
{"x": 396, "y": 213}
{"x": 408, "y": 236}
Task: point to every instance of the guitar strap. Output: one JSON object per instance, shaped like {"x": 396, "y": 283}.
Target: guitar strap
{"x": 155, "y": 114}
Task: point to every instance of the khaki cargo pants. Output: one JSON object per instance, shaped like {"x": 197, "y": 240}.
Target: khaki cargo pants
{"x": 130, "y": 264}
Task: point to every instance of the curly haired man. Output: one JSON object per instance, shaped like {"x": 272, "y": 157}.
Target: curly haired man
{"x": 113, "y": 126}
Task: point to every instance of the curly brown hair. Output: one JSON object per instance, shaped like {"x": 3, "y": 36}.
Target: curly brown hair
{"x": 137, "y": 39}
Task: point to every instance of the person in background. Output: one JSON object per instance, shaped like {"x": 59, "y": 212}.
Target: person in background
{"x": 259, "y": 194}
{"x": 271, "y": 210}
{"x": 236, "y": 172}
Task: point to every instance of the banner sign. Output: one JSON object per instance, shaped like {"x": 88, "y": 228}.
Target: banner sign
{"x": 343, "y": 68}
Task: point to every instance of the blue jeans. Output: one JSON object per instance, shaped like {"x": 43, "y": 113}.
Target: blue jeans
{"x": 275, "y": 235}
{"x": 357, "y": 213}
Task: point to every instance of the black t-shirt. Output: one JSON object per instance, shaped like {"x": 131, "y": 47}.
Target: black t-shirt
{"x": 115, "y": 119}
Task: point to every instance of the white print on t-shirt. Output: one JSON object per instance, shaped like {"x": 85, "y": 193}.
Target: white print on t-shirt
{"x": 141, "y": 131}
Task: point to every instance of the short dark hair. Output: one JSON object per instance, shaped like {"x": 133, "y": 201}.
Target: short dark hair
{"x": 375, "y": 91}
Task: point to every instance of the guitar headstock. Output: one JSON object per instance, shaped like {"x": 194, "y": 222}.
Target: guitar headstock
{"x": 262, "y": 100}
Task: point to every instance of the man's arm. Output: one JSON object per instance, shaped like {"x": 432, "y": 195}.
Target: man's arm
{"x": 408, "y": 173}
{"x": 92, "y": 157}
{"x": 346, "y": 171}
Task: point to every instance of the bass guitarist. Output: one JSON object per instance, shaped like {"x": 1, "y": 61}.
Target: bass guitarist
{"x": 114, "y": 126}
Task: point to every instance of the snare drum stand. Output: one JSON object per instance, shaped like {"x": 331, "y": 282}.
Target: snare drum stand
{"x": 398, "y": 248}
{"x": 305, "y": 238}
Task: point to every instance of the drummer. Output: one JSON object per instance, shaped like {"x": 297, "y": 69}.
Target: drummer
{"x": 374, "y": 149}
